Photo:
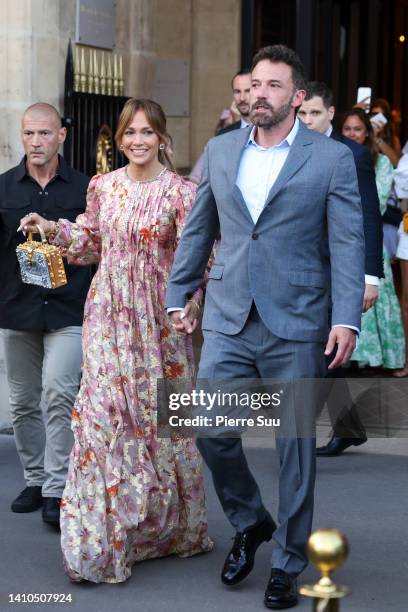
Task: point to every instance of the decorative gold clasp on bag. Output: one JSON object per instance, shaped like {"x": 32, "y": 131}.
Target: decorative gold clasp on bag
{"x": 41, "y": 263}
{"x": 30, "y": 252}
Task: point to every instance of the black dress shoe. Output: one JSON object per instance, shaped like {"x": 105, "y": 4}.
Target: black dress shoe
{"x": 29, "y": 500}
{"x": 281, "y": 591}
{"x": 51, "y": 510}
{"x": 337, "y": 445}
{"x": 240, "y": 559}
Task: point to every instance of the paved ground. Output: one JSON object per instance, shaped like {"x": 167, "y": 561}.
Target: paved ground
{"x": 363, "y": 493}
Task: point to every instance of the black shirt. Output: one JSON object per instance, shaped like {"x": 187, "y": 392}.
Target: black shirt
{"x": 25, "y": 306}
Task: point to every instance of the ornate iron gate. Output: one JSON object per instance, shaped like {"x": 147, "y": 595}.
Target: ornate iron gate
{"x": 92, "y": 104}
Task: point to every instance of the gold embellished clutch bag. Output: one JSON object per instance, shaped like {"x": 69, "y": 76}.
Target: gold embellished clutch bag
{"x": 41, "y": 263}
{"x": 405, "y": 222}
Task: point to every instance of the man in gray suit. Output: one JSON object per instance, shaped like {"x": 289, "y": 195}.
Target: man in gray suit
{"x": 277, "y": 192}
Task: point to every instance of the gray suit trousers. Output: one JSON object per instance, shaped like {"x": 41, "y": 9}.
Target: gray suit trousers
{"x": 43, "y": 364}
{"x": 256, "y": 352}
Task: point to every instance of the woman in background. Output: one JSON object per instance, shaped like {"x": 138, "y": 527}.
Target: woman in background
{"x": 385, "y": 136}
{"x": 381, "y": 341}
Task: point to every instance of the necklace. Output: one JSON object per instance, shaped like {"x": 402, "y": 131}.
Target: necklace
{"x": 146, "y": 180}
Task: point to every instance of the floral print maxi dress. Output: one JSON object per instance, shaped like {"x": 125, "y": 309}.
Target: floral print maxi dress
{"x": 129, "y": 495}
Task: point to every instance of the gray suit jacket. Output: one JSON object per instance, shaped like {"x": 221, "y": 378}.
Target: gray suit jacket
{"x": 279, "y": 262}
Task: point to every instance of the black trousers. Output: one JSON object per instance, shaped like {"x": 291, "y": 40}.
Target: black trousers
{"x": 345, "y": 420}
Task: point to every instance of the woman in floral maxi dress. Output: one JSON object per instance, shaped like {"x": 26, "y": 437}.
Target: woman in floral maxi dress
{"x": 129, "y": 495}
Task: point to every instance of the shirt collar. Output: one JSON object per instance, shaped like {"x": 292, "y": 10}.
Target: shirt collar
{"x": 244, "y": 123}
{"x": 286, "y": 142}
{"x": 329, "y": 130}
{"x": 62, "y": 172}
{"x": 63, "y": 169}
{"x": 21, "y": 170}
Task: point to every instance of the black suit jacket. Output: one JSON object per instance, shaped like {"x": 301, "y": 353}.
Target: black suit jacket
{"x": 229, "y": 128}
{"x": 373, "y": 232}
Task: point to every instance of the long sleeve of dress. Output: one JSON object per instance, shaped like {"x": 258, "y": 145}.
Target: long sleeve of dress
{"x": 81, "y": 240}
{"x": 184, "y": 205}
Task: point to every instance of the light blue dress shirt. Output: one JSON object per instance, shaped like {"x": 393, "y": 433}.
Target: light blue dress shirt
{"x": 259, "y": 168}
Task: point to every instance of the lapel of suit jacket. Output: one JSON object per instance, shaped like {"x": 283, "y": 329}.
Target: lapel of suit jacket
{"x": 299, "y": 153}
{"x": 235, "y": 153}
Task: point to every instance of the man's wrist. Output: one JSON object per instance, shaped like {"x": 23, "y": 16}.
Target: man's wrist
{"x": 354, "y": 329}
{"x": 371, "y": 280}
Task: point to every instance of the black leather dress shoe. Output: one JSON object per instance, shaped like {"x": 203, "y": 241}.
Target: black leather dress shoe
{"x": 240, "y": 559}
{"x": 51, "y": 510}
{"x": 281, "y": 591}
{"x": 337, "y": 445}
{"x": 29, "y": 500}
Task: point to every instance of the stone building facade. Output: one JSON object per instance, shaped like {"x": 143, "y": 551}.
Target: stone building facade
{"x": 206, "y": 34}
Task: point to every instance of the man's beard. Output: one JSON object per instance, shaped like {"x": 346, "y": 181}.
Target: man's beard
{"x": 273, "y": 118}
{"x": 244, "y": 109}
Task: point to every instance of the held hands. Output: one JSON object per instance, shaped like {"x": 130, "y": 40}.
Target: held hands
{"x": 370, "y": 297}
{"x": 29, "y": 224}
{"x": 185, "y": 321}
{"x": 345, "y": 339}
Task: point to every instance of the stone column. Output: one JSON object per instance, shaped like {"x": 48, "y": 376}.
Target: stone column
{"x": 174, "y": 42}
{"x": 136, "y": 41}
{"x": 30, "y": 66}
{"x": 207, "y": 34}
{"x": 216, "y": 58}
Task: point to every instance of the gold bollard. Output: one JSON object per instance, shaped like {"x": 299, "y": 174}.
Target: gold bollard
{"x": 327, "y": 550}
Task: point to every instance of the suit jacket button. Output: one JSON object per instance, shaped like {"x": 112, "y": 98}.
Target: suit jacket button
{"x": 255, "y": 236}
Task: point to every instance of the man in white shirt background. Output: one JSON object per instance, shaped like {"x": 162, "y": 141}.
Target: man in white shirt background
{"x": 317, "y": 112}
{"x": 241, "y": 87}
